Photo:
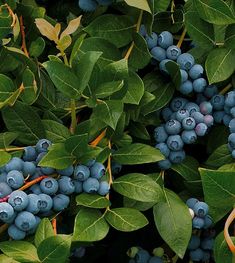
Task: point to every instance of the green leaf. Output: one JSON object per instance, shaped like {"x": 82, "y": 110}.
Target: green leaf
{"x": 219, "y": 157}
{"x": 90, "y": 225}
{"x": 140, "y": 4}
{"x": 220, "y": 64}
{"x": 115, "y": 28}
{"x": 63, "y": 78}
{"x": 230, "y": 37}
{"x": 5, "y": 157}
{"x": 75, "y": 143}
{"x": 92, "y": 201}
{"x": 109, "y": 112}
{"x": 55, "y": 131}
{"x": 37, "y": 47}
{"x": 28, "y": 126}
{"x": 160, "y": 5}
{"x": 139, "y": 130}
{"x": 139, "y": 187}
{"x": 215, "y": 11}
{"x": 6, "y": 138}
{"x": 7, "y": 87}
{"x": 173, "y": 222}
{"x": 219, "y": 191}
{"x": 174, "y": 72}
{"x": 108, "y": 88}
{"x": 141, "y": 206}
{"x": 20, "y": 250}
{"x": 126, "y": 219}
{"x": 188, "y": 169}
{"x": 5, "y": 22}
{"x": 57, "y": 157}
{"x": 55, "y": 249}
{"x": 44, "y": 230}
{"x": 5, "y": 259}
{"x": 137, "y": 153}
{"x": 200, "y": 31}
{"x": 222, "y": 253}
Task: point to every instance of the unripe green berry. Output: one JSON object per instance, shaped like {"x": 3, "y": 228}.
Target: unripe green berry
{"x": 158, "y": 252}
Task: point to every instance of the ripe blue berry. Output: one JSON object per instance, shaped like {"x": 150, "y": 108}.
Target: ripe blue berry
{"x": 173, "y": 52}
{"x": 49, "y": 186}
{"x": 30, "y": 154}
{"x": 142, "y": 256}
{"x": 173, "y": 127}
{"x": 40, "y": 156}
{"x": 191, "y": 202}
{"x": 164, "y": 164}
{"x": 43, "y": 145}
{"x": 155, "y": 260}
{"x": 191, "y": 107}
{"x": 210, "y": 91}
{"x": 66, "y": 185}
{"x": 158, "y": 53}
{"x": 177, "y": 157}
{"x": 162, "y": 66}
{"x": 60, "y": 202}
{"x": 35, "y": 189}
{"x": 18, "y": 200}
{"x": 25, "y": 221}
{"x": 208, "y": 221}
{"x": 15, "y": 179}
{"x": 218, "y": 116}
{"x": 206, "y": 107}
{"x": 45, "y": 203}
{"x": 5, "y": 189}
{"x": 103, "y": 188}
{"x": 181, "y": 114}
{"x": 97, "y": 170}
{"x": 14, "y": 164}
{"x": 189, "y": 123}
{"x": 15, "y": 233}
{"x": 185, "y": 61}
{"x": 207, "y": 243}
{"x": 165, "y": 39}
{"x": 194, "y": 242}
{"x": 209, "y": 120}
{"x": 178, "y": 103}
{"x": 6, "y": 211}
{"x": 3, "y": 177}
{"x": 231, "y": 140}
{"x": 232, "y": 111}
{"x": 33, "y": 230}
{"x": 116, "y": 168}
{"x": 200, "y": 98}
{"x": 201, "y": 129}
{"x": 34, "y": 204}
{"x": 184, "y": 75}
{"x": 151, "y": 40}
{"x": 199, "y": 85}
{"x": 67, "y": 171}
{"x": 196, "y": 255}
{"x": 206, "y": 256}
{"x": 175, "y": 143}
{"x": 233, "y": 154}
{"x": 143, "y": 31}
{"x": 78, "y": 186}
{"x": 186, "y": 87}
{"x": 217, "y": 102}
{"x": 87, "y": 5}
{"x": 163, "y": 148}
{"x": 160, "y": 134}
{"x": 232, "y": 126}
{"x": 29, "y": 168}
{"x": 198, "y": 117}
{"x": 226, "y": 119}
{"x": 91, "y": 185}
{"x": 230, "y": 99}
{"x": 198, "y": 222}
{"x": 189, "y": 137}
{"x": 47, "y": 170}
{"x": 81, "y": 172}
{"x": 104, "y": 2}
{"x": 196, "y": 71}
{"x": 201, "y": 209}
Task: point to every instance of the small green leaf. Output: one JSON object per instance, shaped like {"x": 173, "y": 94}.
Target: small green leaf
{"x": 141, "y": 206}
{"x": 137, "y": 153}
{"x": 139, "y": 187}
{"x": 5, "y": 157}
{"x": 140, "y": 4}
{"x": 7, "y": 87}
{"x": 75, "y": 143}
{"x": 108, "y": 88}
{"x": 230, "y": 37}
{"x": 44, "y": 230}
{"x": 5, "y": 259}
{"x": 90, "y": 225}
{"x": 174, "y": 72}
{"x": 6, "y": 138}
{"x": 160, "y": 5}
{"x": 55, "y": 131}
{"x": 126, "y": 219}
{"x": 92, "y": 201}
{"x": 37, "y": 47}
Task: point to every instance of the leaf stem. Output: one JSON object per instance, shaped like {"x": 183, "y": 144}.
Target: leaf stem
{"x": 23, "y": 47}
{"x": 109, "y": 166}
{"x": 11, "y": 13}
{"x": 181, "y": 40}
{"x": 226, "y": 233}
{"x": 12, "y": 149}
{"x": 172, "y": 11}
{"x": 226, "y": 89}
{"x": 96, "y": 141}
{"x": 54, "y": 225}
{"x": 73, "y": 116}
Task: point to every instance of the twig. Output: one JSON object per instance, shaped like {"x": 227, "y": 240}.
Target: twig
{"x": 226, "y": 233}
{"x": 181, "y": 40}
{"x": 96, "y": 141}
{"x": 23, "y": 47}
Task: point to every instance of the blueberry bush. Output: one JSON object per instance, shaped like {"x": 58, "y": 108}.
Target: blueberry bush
{"x": 117, "y": 139}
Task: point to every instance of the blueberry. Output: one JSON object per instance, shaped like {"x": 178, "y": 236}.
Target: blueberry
{"x": 165, "y": 39}
{"x": 198, "y": 222}
{"x": 201, "y": 129}
{"x": 233, "y": 154}
{"x": 116, "y": 168}
{"x": 29, "y": 168}
{"x": 104, "y": 2}
{"x": 35, "y": 189}
{"x": 3, "y": 177}
{"x": 186, "y": 87}
{"x": 15, "y": 179}
{"x": 33, "y": 230}
{"x": 45, "y": 202}
{"x": 175, "y": 143}
{"x": 158, "y": 53}
{"x": 18, "y": 200}
{"x": 199, "y": 85}
{"x": 151, "y": 40}
{"x": 79, "y": 252}
{"x": 196, "y": 255}
{"x": 173, "y": 116}
{"x": 47, "y": 170}
{"x": 185, "y": 61}
{"x": 40, "y": 156}
{"x": 5, "y": 189}
{"x": 232, "y": 126}
{"x": 217, "y": 102}
{"x": 163, "y": 148}
{"x": 97, "y": 170}
{"x": 218, "y": 116}
{"x": 231, "y": 140}
{"x": 14, "y": 164}
{"x": 196, "y": 71}
{"x": 49, "y": 186}
{"x": 81, "y": 172}
{"x": 162, "y": 66}
{"x": 191, "y": 108}
{"x": 208, "y": 221}
{"x": 15, "y": 233}
{"x": 201, "y": 209}
{"x": 207, "y": 243}
{"x": 67, "y": 171}
{"x": 177, "y": 157}
{"x": 155, "y": 260}
{"x": 25, "y": 221}
{"x": 6, "y": 211}
{"x": 191, "y": 202}
{"x": 173, "y": 52}
{"x": 173, "y": 127}
{"x": 200, "y": 98}
{"x": 164, "y": 164}
{"x": 34, "y": 204}
{"x": 230, "y": 99}
{"x": 66, "y": 185}
{"x": 189, "y": 137}
{"x": 166, "y": 113}
{"x": 188, "y": 123}
{"x": 30, "y": 154}
{"x": 60, "y": 202}
{"x": 194, "y": 242}
{"x": 206, "y": 256}
{"x": 210, "y": 91}
{"x": 91, "y": 185}
{"x": 181, "y": 114}
{"x": 226, "y": 119}
{"x": 103, "y": 188}
{"x": 227, "y": 109}
{"x": 42, "y": 145}
{"x": 11, "y": 220}
{"x": 160, "y": 134}
{"x": 178, "y": 103}
{"x": 209, "y": 120}
{"x": 90, "y": 163}
{"x": 142, "y": 256}
{"x": 184, "y": 75}
{"x": 143, "y": 31}
{"x": 198, "y": 117}
{"x": 88, "y": 5}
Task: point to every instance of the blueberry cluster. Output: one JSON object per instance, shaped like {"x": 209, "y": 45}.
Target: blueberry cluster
{"x": 22, "y": 210}
{"x": 201, "y": 243}
{"x": 91, "y": 5}
{"x": 140, "y": 255}
{"x": 184, "y": 122}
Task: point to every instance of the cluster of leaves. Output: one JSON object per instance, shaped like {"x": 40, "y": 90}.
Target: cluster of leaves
{"x": 70, "y": 80}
